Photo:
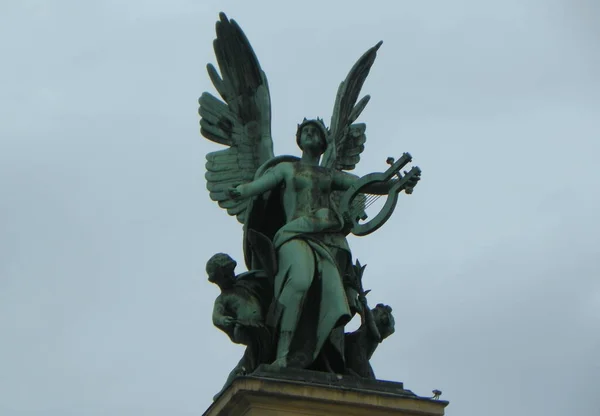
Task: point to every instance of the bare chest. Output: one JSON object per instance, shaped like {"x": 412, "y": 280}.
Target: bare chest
{"x": 313, "y": 179}
{"x": 241, "y": 305}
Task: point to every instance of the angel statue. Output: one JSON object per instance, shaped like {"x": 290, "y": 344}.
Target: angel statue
{"x": 296, "y": 211}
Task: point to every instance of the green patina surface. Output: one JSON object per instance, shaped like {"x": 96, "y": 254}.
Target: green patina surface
{"x": 301, "y": 287}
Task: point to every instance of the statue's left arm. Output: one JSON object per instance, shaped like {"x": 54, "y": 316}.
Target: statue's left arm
{"x": 354, "y": 200}
{"x": 342, "y": 181}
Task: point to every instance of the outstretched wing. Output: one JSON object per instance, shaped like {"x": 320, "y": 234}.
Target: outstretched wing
{"x": 346, "y": 140}
{"x": 242, "y": 121}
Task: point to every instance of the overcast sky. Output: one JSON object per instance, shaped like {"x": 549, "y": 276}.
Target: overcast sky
{"x": 492, "y": 266}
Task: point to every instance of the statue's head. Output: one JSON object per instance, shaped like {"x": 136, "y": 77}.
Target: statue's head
{"x": 384, "y": 320}
{"x": 220, "y": 269}
{"x": 312, "y": 134}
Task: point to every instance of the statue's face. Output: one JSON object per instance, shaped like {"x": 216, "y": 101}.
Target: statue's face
{"x": 222, "y": 278}
{"x": 311, "y": 139}
{"x": 384, "y": 321}
{"x": 222, "y": 274}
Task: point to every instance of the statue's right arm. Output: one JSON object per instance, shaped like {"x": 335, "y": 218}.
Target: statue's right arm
{"x": 267, "y": 182}
{"x": 218, "y": 312}
{"x": 369, "y": 319}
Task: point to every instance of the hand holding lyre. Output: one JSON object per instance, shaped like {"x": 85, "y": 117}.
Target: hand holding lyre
{"x": 383, "y": 183}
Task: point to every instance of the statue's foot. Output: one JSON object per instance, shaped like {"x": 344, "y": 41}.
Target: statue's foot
{"x": 276, "y": 365}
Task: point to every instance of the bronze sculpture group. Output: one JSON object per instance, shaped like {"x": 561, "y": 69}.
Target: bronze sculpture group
{"x": 302, "y": 286}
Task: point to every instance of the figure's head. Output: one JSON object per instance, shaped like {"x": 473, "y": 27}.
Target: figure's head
{"x": 220, "y": 270}
{"x": 384, "y": 320}
{"x": 312, "y": 136}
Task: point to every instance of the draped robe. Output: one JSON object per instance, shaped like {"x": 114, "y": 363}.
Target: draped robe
{"x": 316, "y": 236}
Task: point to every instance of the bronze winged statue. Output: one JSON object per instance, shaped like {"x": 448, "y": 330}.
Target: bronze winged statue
{"x": 296, "y": 211}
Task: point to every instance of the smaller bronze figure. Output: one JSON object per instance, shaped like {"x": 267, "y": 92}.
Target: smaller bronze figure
{"x": 240, "y": 311}
{"x": 377, "y": 324}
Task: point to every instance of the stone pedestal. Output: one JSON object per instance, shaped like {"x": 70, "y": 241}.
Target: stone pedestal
{"x": 304, "y": 393}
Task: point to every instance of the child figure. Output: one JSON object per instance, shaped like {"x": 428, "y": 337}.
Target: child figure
{"x": 377, "y": 324}
{"x": 239, "y": 311}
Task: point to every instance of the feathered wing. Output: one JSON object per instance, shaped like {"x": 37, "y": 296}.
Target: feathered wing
{"x": 242, "y": 121}
{"x": 346, "y": 140}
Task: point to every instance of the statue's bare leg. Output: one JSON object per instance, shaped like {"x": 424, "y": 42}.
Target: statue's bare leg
{"x": 296, "y": 270}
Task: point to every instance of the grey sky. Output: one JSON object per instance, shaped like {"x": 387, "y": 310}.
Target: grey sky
{"x": 492, "y": 266}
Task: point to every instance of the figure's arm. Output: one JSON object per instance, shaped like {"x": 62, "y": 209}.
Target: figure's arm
{"x": 218, "y": 317}
{"x": 369, "y": 319}
{"x": 342, "y": 181}
{"x": 268, "y": 181}
{"x": 380, "y": 188}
